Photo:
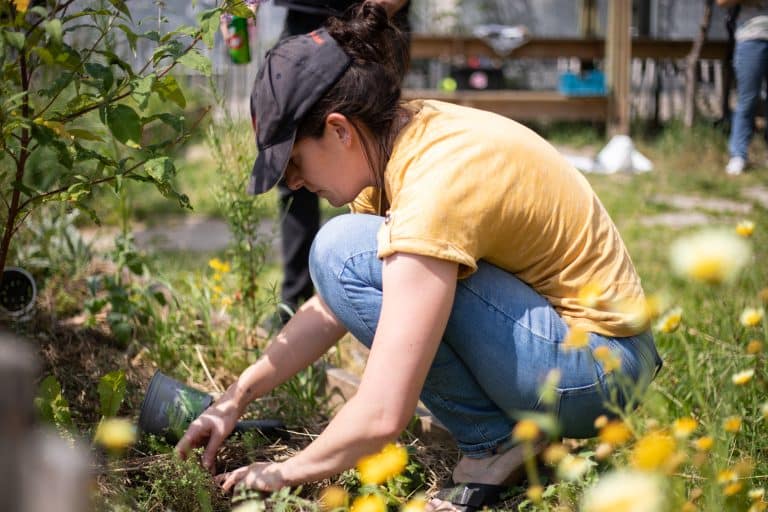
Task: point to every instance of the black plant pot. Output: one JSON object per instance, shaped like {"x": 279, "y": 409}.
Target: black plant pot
{"x": 17, "y": 292}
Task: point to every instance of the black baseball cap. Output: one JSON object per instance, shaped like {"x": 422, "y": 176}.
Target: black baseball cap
{"x": 296, "y": 73}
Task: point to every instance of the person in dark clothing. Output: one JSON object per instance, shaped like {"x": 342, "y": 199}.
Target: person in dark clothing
{"x": 299, "y": 209}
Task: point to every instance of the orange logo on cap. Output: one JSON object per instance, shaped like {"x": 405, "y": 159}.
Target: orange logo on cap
{"x": 316, "y": 37}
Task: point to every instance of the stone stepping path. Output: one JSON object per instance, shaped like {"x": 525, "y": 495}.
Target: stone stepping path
{"x": 697, "y": 211}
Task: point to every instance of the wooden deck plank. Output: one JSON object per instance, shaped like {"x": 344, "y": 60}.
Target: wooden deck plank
{"x": 523, "y": 105}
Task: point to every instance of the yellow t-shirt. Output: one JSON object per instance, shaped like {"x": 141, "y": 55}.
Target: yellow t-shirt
{"x": 464, "y": 184}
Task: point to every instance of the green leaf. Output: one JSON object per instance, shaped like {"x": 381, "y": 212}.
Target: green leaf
{"x": 142, "y": 89}
{"x": 209, "y": 24}
{"x": 52, "y": 405}
{"x": 83, "y": 207}
{"x": 28, "y": 191}
{"x": 120, "y": 6}
{"x": 79, "y": 133}
{"x": 39, "y": 10}
{"x": 160, "y": 169}
{"x": 174, "y": 121}
{"x": 168, "y": 89}
{"x": 111, "y": 392}
{"x": 101, "y": 73}
{"x": 78, "y": 191}
{"x": 194, "y": 60}
{"x": 54, "y": 30}
{"x": 130, "y": 35}
{"x": 43, "y": 54}
{"x": 124, "y": 123}
{"x": 14, "y": 39}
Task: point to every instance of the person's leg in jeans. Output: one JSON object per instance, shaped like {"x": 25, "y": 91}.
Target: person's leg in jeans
{"x": 299, "y": 222}
{"x": 501, "y": 341}
{"x": 750, "y": 63}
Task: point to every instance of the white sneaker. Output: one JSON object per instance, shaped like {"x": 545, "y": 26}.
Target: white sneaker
{"x": 735, "y": 165}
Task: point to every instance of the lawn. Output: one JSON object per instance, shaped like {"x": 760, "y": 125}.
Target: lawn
{"x": 199, "y": 316}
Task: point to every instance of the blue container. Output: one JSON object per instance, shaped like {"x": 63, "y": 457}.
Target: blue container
{"x": 589, "y": 83}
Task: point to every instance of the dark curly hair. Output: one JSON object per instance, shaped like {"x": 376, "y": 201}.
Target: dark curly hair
{"x": 368, "y": 93}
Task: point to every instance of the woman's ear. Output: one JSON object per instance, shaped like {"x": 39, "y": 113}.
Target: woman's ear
{"x": 341, "y": 127}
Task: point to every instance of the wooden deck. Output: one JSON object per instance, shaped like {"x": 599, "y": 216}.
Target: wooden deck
{"x": 433, "y": 46}
{"x": 524, "y": 105}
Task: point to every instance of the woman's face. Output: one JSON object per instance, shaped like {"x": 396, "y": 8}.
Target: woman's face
{"x": 333, "y": 166}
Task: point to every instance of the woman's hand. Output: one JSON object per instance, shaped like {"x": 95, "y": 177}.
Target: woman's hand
{"x": 211, "y": 429}
{"x": 261, "y": 476}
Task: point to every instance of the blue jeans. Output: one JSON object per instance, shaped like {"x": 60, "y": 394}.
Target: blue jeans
{"x": 750, "y": 61}
{"x": 501, "y": 341}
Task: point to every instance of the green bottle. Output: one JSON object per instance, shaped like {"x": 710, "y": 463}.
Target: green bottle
{"x": 239, "y": 49}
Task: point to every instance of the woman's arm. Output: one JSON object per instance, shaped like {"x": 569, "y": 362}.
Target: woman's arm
{"x": 417, "y": 300}
{"x": 306, "y": 337}
{"x": 728, "y": 3}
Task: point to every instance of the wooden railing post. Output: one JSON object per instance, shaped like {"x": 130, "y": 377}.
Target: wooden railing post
{"x": 618, "y": 54}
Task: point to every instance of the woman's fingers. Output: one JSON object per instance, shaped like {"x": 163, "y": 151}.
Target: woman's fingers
{"x": 192, "y": 438}
{"x": 227, "y": 481}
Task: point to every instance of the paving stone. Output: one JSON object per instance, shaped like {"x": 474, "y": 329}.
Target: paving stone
{"x": 757, "y": 194}
{"x": 676, "y": 220}
{"x": 712, "y": 204}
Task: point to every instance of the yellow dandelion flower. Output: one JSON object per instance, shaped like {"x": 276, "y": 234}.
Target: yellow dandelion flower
{"x": 626, "y": 491}
{"x": 380, "y": 467}
{"x": 653, "y": 451}
{"x": 333, "y": 497}
{"x": 684, "y": 427}
{"x": 732, "y": 424}
{"x": 525, "y": 430}
{"x": 219, "y": 266}
{"x": 756, "y": 493}
{"x": 21, "y": 5}
{"x": 758, "y": 506}
{"x": 745, "y": 228}
{"x": 703, "y": 444}
{"x": 589, "y": 295}
{"x": 369, "y": 503}
{"x": 534, "y": 493}
{"x": 726, "y": 476}
{"x": 216, "y": 276}
{"x": 710, "y": 256}
{"x": 689, "y": 506}
{"x": 415, "y": 504}
{"x": 217, "y": 289}
{"x": 609, "y": 359}
{"x": 742, "y": 377}
{"x": 751, "y": 317}
{"x": 732, "y": 489}
{"x": 576, "y": 338}
{"x": 554, "y": 453}
{"x": 616, "y": 432}
{"x": 115, "y": 434}
{"x": 754, "y": 347}
{"x": 572, "y": 467}
{"x": 671, "y": 321}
